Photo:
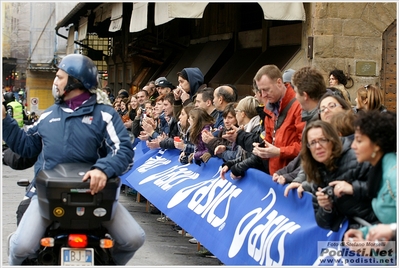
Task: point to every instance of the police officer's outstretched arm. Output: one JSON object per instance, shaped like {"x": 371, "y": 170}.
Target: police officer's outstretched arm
{"x": 23, "y": 143}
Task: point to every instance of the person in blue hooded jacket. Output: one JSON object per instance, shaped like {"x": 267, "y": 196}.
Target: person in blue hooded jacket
{"x": 190, "y": 81}
{"x": 81, "y": 126}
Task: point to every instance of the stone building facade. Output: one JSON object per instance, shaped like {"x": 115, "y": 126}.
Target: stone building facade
{"x": 347, "y": 34}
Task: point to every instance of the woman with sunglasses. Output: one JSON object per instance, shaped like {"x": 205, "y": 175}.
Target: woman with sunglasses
{"x": 327, "y": 158}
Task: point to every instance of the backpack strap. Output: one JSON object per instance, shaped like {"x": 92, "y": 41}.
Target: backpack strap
{"x": 280, "y": 119}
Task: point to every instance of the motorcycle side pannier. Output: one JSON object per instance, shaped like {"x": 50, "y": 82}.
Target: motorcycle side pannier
{"x": 64, "y": 198}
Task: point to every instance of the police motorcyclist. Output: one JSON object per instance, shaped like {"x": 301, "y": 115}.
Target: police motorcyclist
{"x": 14, "y": 108}
{"x": 21, "y": 97}
{"x": 79, "y": 127}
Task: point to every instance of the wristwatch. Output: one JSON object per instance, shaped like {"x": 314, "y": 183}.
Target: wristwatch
{"x": 392, "y": 226}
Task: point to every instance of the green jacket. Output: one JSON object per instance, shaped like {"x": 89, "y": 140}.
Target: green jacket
{"x": 17, "y": 112}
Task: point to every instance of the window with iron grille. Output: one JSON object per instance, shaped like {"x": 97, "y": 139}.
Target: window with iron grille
{"x": 99, "y": 48}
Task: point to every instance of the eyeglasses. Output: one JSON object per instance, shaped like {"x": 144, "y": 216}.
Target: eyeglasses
{"x": 367, "y": 87}
{"x": 330, "y": 106}
{"x": 237, "y": 111}
{"x": 322, "y": 143}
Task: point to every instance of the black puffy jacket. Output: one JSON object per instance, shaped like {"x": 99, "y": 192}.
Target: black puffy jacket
{"x": 168, "y": 143}
{"x": 240, "y": 165}
{"x": 346, "y": 206}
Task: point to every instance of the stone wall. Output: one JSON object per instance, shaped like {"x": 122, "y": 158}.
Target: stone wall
{"x": 345, "y": 33}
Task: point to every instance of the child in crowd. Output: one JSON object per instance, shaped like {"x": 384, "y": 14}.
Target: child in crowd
{"x": 199, "y": 121}
{"x": 132, "y": 111}
{"x": 168, "y": 127}
{"x": 124, "y": 113}
{"x": 220, "y": 147}
{"x": 182, "y": 142}
{"x": 117, "y": 105}
{"x": 148, "y": 109}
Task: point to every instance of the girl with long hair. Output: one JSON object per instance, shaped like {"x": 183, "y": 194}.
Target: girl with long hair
{"x": 199, "y": 120}
{"x": 182, "y": 142}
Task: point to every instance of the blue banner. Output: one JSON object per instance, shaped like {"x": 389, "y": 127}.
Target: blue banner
{"x": 141, "y": 154}
{"x": 242, "y": 222}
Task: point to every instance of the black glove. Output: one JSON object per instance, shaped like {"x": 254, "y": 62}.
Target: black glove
{"x": 184, "y": 159}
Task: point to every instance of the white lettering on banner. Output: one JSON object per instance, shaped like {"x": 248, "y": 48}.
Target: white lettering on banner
{"x": 262, "y": 228}
{"x": 175, "y": 175}
{"x": 168, "y": 180}
{"x": 207, "y": 189}
{"x": 228, "y": 191}
{"x": 153, "y": 163}
{"x": 165, "y": 178}
{"x": 261, "y": 235}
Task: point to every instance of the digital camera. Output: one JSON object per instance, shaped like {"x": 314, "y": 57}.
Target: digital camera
{"x": 328, "y": 190}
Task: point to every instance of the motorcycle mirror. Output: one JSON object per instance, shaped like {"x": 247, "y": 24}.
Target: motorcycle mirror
{"x": 23, "y": 182}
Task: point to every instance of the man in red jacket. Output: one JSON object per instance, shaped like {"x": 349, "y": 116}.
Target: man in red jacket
{"x": 282, "y": 141}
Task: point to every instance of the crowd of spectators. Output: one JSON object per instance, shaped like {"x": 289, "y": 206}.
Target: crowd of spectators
{"x": 303, "y": 132}
{"x": 307, "y": 135}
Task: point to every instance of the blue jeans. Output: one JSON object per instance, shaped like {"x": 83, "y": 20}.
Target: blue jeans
{"x": 25, "y": 242}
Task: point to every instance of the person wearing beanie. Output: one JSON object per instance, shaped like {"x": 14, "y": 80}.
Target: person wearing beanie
{"x": 287, "y": 76}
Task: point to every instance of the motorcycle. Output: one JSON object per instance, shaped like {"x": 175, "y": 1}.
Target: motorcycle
{"x": 76, "y": 236}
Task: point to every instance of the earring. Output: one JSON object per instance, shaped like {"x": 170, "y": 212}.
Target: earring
{"x": 373, "y": 154}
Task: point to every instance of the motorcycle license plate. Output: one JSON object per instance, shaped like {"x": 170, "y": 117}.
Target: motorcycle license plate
{"x": 77, "y": 257}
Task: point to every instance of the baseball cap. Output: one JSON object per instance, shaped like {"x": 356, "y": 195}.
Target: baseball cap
{"x": 163, "y": 82}
{"x": 159, "y": 79}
